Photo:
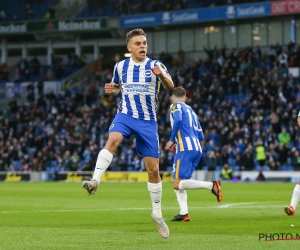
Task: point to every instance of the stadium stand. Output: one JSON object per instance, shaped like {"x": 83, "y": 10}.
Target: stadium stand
{"x": 96, "y": 8}
{"x": 26, "y": 10}
{"x": 244, "y": 97}
{"x": 65, "y": 131}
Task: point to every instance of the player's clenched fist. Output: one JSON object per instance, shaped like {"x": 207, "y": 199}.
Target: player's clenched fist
{"x": 111, "y": 88}
{"x": 156, "y": 71}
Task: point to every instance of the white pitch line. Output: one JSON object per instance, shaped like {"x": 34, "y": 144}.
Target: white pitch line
{"x": 237, "y": 204}
{"x": 233, "y": 205}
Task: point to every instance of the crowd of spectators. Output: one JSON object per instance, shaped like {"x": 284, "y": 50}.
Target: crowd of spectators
{"x": 116, "y": 7}
{"x": 18, "y": 10}
{"x": 32, "y": 69}
{"x": 246, "y": 100}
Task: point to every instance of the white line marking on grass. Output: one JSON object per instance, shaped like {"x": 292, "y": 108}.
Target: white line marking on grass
{"x": 236, "y": 204}
{"x": 233, "y": 205}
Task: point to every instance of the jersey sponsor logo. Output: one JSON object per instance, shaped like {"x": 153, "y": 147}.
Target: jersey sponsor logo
{"x": 135, "y": 88}
{"x": 111, "y": 126}
{"x": 148, "y": 73}
{"x": 174, "y": 107}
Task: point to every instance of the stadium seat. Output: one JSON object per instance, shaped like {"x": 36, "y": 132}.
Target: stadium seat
{"x": 236, "y": 168}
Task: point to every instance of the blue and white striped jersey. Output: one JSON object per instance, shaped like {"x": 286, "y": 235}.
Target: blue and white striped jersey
{"x": 186, "y": 128}
{"x": 139, "y": 87}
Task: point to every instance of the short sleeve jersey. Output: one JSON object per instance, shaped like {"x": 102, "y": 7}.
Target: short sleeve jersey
{"x": 139, "y": 87}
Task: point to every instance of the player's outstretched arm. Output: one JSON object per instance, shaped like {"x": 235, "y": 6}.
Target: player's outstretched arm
{"x": 112, "y": 88}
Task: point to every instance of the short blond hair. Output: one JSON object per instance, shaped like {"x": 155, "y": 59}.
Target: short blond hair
{"x": 135, "y": 32}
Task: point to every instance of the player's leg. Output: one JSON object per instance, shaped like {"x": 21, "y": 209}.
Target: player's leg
{"x": 118, "y": 131}
{"x": 154, "y": 185}
{"x": 180, "y": 159}
{"x": 103, "y": 161}
{"x": 147, "y": 146}
{"x": 155, "y": 191}
{"x": 290, "y": 210}
{"x": 185, "y": 163}
{"x": 106, "y": 154}
{"x": 181, "y": 196}
{"x": 214, "y": 186}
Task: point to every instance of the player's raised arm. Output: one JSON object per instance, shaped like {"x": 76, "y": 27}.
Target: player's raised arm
{"x": 112, "y": 88}
{"x": 164, "y": 76}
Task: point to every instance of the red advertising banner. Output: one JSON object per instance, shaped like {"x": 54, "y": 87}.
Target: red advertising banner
{"x": 285, "y": 7}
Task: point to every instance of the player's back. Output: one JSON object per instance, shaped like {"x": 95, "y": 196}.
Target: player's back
{"x": 189, "y": 125}
{"x": 187, "y": 135}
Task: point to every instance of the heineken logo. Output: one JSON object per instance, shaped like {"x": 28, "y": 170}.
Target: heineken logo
{"x": 13, "y": 28}
{"x": 53, "y": 26}
{"x": 79, "y": 25}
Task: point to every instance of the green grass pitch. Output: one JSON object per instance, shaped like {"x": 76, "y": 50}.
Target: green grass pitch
{"x": 62, "y": 216}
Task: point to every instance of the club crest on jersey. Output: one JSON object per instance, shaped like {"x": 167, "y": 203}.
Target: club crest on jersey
{"x": 174, "y": 107}
{"x": 148, "y": 73}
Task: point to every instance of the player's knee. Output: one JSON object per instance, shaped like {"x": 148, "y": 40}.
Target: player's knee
{"x": 113, "y": 141}
{"x": 176, "y": 184}
{"x": 153, "y": 171}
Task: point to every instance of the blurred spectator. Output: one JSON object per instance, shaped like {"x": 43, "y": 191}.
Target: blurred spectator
{"x": 213, "y": 160}
{"x": 66, "y": 160}
{"x": 51, "y": 13}
{"x": 35, "y": 65}
{"x": 2, "y": 15}
{"x": 28, "y": 11}
{"x": 25, "y": 167}
{"x": 260, "y": 153}
{"x": 272, "y": 164}
{"x": 4, "y": 74}
{"x": 23, "y": 68}
{"x": 295, "y": 159}
{"x": 247, "y": 160}
{"x": 260, "y": 176}
{"x": 284, "y": 137}
{"x": 15, "y": 18}
{"x": 278, "y": 48}
{"x": 75, "y": 161}
{"x": 283, "y": 63}
{"x": 283, "y": 152}
{"x": 226, "y": 172}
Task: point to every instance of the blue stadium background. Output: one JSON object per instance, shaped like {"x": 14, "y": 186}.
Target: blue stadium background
{"x": 247, "y": 99}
